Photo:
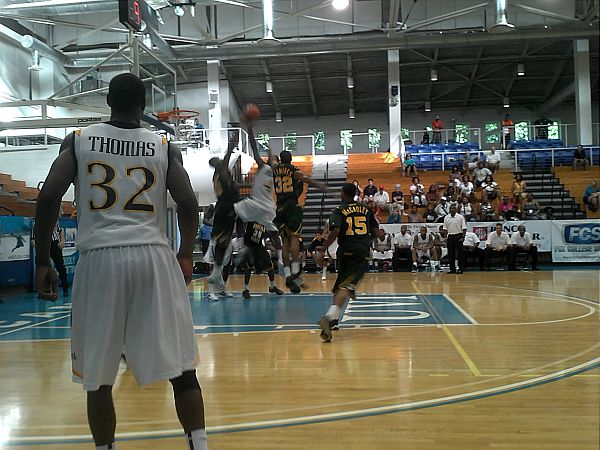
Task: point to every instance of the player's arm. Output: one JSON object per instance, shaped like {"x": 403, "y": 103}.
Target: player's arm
{"x": 60, "y": 177}
{"x": 181, "y": 190}
{"x": 299, "y": 176}
{"x": 232, "y": 144}
{"x": 334, "y": 227}
{"x": 254, "y": 147}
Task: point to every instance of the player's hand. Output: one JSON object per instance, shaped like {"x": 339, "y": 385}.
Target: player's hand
{"x": 186, "y": 264}
{"x": 46, "y": 283}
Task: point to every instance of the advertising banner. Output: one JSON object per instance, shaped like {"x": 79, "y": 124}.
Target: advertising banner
{"x": 539, "y": 230}
{"x": 14, "y": 247}
{"x": 575, "y": 241}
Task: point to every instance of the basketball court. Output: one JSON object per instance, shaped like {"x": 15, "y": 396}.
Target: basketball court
{"x": 422, "y": 361}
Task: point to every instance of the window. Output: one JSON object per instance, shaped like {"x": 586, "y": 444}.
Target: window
{"x": 405, "y": 133}
{"x": 290, "y": 141}
{"x": 374, "y": 139}
{"x": 319, "y": 141}
{"x": 554, "y": 130}
{"x": 492, "y": 132}
{"x": 521, "y": 131}
{"x": 346, "y": 139}
{"x": 462, "y": 132}
{"x": 262, "y": 139}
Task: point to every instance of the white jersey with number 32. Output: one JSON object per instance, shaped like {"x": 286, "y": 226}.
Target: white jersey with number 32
{"x": 120, "y": 187}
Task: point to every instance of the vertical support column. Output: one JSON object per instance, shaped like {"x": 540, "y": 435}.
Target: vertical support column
{"x": 135, "y": 54}
{"x": 214, "y": 103}
{"x": 394, "y": 105}
{"x": 583, "y": 91}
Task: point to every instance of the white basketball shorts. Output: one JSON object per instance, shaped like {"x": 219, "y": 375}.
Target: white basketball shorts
{"x": 130, "y": 300}
{"x": 383, "y": 255}
{"x": 252, "y": 210}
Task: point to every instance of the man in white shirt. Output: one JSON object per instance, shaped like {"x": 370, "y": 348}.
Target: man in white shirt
{"x": 471, "y": 249}
{"x": 381, "y": 200}
{"x": 402, "y": 247}
{"x": 456, "y": 226}
{"x": 442, "y": 209}
{"x": 522, "y": 243}
{"x": 493, "y": 160}
{"x": 497, "y": 244}
{"x": 423, "y": 245}
{"x": 397, "y": 200}
{"x": 480, "y": 173}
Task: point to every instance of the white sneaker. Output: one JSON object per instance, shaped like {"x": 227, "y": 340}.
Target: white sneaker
{"x": 323, "y": 277}
{"x": 212, "y": 297}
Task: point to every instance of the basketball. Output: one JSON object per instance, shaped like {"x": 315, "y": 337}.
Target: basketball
{"x": 251, "y": 112}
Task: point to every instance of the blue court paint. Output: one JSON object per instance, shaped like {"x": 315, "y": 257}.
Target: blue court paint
{"x": 25, "y": 317}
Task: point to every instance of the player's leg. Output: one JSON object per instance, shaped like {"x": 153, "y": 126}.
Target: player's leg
{"x": 102, "y": 417}
{"x": 190, "y": 409}
{"x": 273, "y": 289}
{"x": 247, "y": 275}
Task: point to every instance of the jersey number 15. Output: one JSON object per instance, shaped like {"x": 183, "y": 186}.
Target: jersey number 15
{"x": 357, "y": 225}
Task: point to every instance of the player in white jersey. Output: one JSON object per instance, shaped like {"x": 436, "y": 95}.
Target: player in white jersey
{"x": 129, "y": 290}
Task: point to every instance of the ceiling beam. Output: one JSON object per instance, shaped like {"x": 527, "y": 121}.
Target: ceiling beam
{"x": 515, "y": 75}
{"x": 473, "y": 76}
{"x": 558, "y": 98}
{"x": 350, "y": 74}
{"x": 310, "y": 87}
{"x": 544, "y": 13}
{"x": 436, "y": 54}
{"x": 560, "y": 67}
{"x": 269, "y": 78}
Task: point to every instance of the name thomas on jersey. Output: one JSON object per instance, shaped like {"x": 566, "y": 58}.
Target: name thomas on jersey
{"x": 123, "y": 148}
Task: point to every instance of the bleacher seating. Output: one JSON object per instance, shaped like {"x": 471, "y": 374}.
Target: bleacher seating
{"x": 453, "y": 154}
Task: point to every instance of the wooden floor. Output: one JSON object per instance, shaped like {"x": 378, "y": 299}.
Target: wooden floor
{"x": 521, "y": 374}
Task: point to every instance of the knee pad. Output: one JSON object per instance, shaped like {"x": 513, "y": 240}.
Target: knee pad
{"x": 185, "y": 382}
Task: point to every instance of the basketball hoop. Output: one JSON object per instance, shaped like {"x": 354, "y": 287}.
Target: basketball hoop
{"x": 177, "y": 115}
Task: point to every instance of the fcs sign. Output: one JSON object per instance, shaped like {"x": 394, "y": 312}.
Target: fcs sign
{"x": 584, "y": 233}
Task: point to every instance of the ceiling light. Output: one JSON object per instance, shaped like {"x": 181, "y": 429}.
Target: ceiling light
{"x": 434, "y": 76}
{"x": 269, "y": 87}
{"x": 350, "y": 82}
{"x": 179, "y": 11}
{"x": 506, "y": 102}
{"x": 277, "y": 117}
{"x": 352, "y": 113}
{"x": 340, "y": 4}
{"x": 520, "y": 69}
{"x": 427, "y": 106}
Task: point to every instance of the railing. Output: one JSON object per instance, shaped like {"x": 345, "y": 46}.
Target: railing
{"x": 446, "y": 135}
{"x": 325, "y": 179}
{"x": 567, "y": 132}
{"x": 212, "y": 140}
{"x": 12, "y": 213}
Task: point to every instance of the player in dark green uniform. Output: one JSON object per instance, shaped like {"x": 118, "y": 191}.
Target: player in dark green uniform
{"x": 257, "y": 257}
{"x": 289, "y": 184}
{"x": 354, "y": 226}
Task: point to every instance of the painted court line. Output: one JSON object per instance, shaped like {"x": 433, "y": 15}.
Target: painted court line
{"x": 33, "y": 325}
{"x": 463, "y": 312}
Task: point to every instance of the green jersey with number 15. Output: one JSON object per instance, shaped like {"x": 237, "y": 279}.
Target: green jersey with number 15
{"x": 355, "y": 223}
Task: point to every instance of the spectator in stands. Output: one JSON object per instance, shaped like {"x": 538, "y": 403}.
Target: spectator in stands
{"x": 423, "y": 247}
{"x": 579, "y": 158}
{"x": 513, "y": 214}
{"x": 395, "y": 217}
{"x": 591, "y": 196}
{"x": 417, "y": 193}
{"x": 437, "y": 125}
{"x": 359, "y": 192}
{"x": 454, "y": 174}
{"x": 548, "y": 213}
{"x": 518, "y": 189}
{"x": 397, "y": 200}
{"x": 466, "y": 209}
{"x": 369, "y": 191}
{"x": 531, "y": 208}
{"x": 316, "y": 251}
{"x": 522, "y": 243}
{"x": 490, "y": 187}
{"x": 472, "y": 250}
{"x": 410, "y": 166}
{"x": 430, "y": 216}
{"x": 442, "y": 209}
{"x": 413, "y": 215}
{"x": 480, "y": 173}
{"x": 507, "y": 127}
{"x": 425, "y": 139}
{"x": 541, "y": 127}
{"x": 504, "y": 206}
{"x": 382, "y": 251}
{"x": 497, "y": 244}
{"x": 451, "y": 195}
{"x": 402, "y": 247}
{"x": 469, "y": 163}
{"x": 441, "y": 245}
{"x": 466, "y": 186}
{"x": 486, "y": 209}
{"x": 381, "y": 199}
{"x": 493, "y": 160}
{"x": 432, "y": 196}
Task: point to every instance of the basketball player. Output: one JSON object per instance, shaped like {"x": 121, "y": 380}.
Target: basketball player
{"x": 130, "y": 288}
{"x": 256, "y": 256}
{"x": 289, "y": 184}
{"x": 354, "y": 226}
{"x": 424, "y": 246}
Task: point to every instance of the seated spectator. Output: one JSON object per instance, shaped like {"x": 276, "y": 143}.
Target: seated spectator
{"x": 368, "y": 192}
{"x": 441, "y": 245}
{"x": 497, "y": 244}
{"x": 504, "y": 206}
{"x": 470, "y": 164}
{"x": 417, "y": 192}
{"x": 402, "y": 248}
{"x": 486, "y": 210}
{"x": 513, "y": 214}
{"x": 430, "y": 216}
{"x": 442, "y": 209}
{"x": 382, "y": 251}
{"x": 471, "y": 249}
{"x": 315, "y": 250}
{"x": 451, "y": 195}
{"x": 522, "y": 243}
{"x": 531, "y": 208}
{"x": 518, "y": 189}
{"x": 548, "y": 213}
{"x": 480, "y": 173}
{"x": 490, "y": 187}
{"x": 579, "y": 158}
{"x": 397, "y": 200}
{"x": 359, "y": 192}
{"x": 425, "y": 139}
{"x": 493, "y": 160}
{"x": 454, "y": 175}
{"x": 432, "y": 196}
{"x": 466, "y": 209}
{"x": 591, "y": 196}
{"x": 413, "y": 215}
{"x": 423, "y": 247}
{"x": 466, "y": 187}
{"x": 409, "y": 165}
{"x": 395, "y": 217}
{"x": 381, "y": 199}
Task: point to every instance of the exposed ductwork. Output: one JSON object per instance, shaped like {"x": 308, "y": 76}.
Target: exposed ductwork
{"x": 501, "y": 25}
{"x": 32, "y": 43}
{"x": 268, "y": 39}
{"x": 61, "y": 7}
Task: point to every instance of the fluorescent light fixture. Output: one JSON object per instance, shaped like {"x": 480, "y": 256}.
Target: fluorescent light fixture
{"x": 352, "y": 113}
{"x": 269, "y": 87}
{"x": 427, "y": 106}
{"x": 520, "y": 69}
{"x": 434, "y": 76}
{"x": 277, "y": 117}
{"x": 506, "y": 102}
{"x": 340, "y": 4}
{"x": 350, "y": 82}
